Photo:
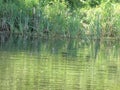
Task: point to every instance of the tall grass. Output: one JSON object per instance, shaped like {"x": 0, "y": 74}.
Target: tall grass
{"x": 103, "y": 20}
{"x": 55, "y": 18}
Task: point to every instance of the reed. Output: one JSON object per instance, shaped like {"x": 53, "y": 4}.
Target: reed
{"x": 103, "y": 20}
{"x": 54, "y": 18}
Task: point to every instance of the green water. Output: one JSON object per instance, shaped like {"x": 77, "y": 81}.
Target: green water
{"x": 58, "y": 64}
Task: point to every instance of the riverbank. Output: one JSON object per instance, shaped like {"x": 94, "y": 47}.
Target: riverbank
{"x": 56, "y": 19}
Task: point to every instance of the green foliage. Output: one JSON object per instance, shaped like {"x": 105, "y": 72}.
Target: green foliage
{"x": 85, "y": 3}
{"x": 56, "y": 17}
{"x": 94, "y": 3}
{"x": 104, "y": 20}
{"x": 76, "y": 3}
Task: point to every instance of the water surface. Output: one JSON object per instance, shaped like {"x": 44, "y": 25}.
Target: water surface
{"x": 59, "y": 64}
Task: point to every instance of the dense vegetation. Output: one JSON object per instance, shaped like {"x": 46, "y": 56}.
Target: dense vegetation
{"x": 61, "y": 18}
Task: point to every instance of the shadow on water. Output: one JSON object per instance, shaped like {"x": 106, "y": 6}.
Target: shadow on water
{"x": 97, "y": 47}
{"x": 65, "y": 47}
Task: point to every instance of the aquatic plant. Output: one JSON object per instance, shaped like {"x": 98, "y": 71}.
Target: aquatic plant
{"x": 57, "y": 18}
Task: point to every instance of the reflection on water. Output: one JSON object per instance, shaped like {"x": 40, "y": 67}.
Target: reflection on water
{"x": 58, "y": 64}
